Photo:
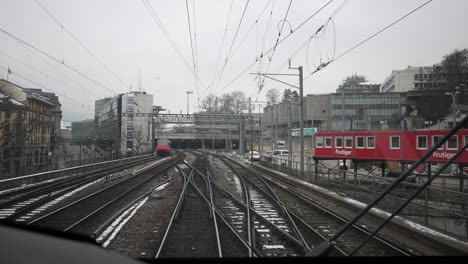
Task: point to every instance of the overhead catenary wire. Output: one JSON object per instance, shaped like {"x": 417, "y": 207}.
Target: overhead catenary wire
{"x": 33, "y": 68}
{"x": 281, "y": 41}
{"x": 270, "y": 59}
{"x": 323, "y": 65}
{"x": 78, "y": 41}
{"x": 232, "y": 44}
{"x": 168, "y": 37}
{"x": 58, "y": 61}
{"x": 41, "y": 86}
{"x": 191, "y": 46}
{"x": 35, "y": 53}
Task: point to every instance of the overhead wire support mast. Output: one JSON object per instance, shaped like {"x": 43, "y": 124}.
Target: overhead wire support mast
{"x": 301, "y": 104}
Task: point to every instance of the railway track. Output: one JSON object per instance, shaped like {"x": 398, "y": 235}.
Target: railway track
{"x": 15, "y": 205}
{"x": 77, "y": 215}
{"x": 317, "y": 223}
{"x": 256, "y": 220}
{"x": 197, "y": 228}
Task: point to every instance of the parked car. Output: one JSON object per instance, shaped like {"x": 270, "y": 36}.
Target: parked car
{"x": 254, "y": 155}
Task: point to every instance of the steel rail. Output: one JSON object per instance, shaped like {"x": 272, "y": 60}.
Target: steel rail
{"x": 176, "y": 211}
{"x": 338, "y": 217}
{"x": 64, "y": 181}
{"x": 221, "y": 215}
{"x": 278, "y": 229}
{"x": 101, "y": 228}
{"x": 274, "y": 199}
{"x": 61, "y": 209}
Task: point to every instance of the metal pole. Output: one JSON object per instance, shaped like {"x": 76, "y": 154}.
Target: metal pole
{"x": 290, "y": 135}
{"x": 301, "y": 97}
{"x": 342, "y": 109}
{"x": 454, "y": 110}
{"x": 251, "y": 131}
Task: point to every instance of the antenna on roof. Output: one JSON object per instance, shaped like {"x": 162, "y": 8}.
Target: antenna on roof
{"x": 139, "y": 80}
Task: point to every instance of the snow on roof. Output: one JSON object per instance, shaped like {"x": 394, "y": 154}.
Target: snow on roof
{"x": 10, "y": 100}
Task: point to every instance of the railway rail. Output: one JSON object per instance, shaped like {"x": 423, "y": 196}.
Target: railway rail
{"x": 75, "y": 215}
{"x": 318, "y": 223}
{"x": 197, "y": 227}
{"x": 16, "y": 204}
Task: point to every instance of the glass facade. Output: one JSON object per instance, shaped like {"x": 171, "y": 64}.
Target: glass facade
{"x": 362, "y": 111}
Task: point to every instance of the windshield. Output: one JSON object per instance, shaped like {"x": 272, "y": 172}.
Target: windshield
{"x": 218, "y": 129}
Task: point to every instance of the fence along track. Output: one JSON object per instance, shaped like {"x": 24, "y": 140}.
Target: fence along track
{"x": 73, "y": 214}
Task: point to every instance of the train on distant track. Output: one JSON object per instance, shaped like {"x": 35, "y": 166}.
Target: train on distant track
{"x": 404, "y": 146}
{"x": 163, "y": 147}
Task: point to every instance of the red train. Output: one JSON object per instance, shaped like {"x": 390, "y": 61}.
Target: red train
{"x": 405, "y": 146}
{"x": 163, "y": 147}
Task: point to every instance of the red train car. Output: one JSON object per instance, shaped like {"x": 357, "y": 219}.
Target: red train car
{"x": 405, "y": 146}
{"x": 163, "y": 148}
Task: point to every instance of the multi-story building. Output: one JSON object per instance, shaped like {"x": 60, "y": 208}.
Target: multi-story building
{"x": 427, "y": 95}
{"x": 83, "y": 130}
{"x": 121, "y": 131}
{"x": 27, "y": 144}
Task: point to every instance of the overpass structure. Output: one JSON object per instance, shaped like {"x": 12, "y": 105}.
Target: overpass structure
{"x": 223, "y": 130}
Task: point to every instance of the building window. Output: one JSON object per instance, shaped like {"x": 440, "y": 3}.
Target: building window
{"x": 416, "y": 76}
{"x": 370, "y": 142}
{"x": 338, "y": 142}
{"x": 436, "y": 139}
{"x": 328, "y": 142}
{"x": 359, "y": 142}
{"x": 348, "y": 142}
{"x": 395, "y": 142}
{"x": 452, "y": 143}
{"x": 319, "y": 142}
{"x": 421, "y": 142}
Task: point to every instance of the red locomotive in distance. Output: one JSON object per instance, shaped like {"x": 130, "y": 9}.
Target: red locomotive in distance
{"x": 163, "y": 147}
{"x": 405, "y": 146}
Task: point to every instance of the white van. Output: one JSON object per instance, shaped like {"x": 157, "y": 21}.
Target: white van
{"x": 280, "y": 152}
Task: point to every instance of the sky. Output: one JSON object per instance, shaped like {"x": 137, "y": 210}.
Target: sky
{"x": 126, "y": 48}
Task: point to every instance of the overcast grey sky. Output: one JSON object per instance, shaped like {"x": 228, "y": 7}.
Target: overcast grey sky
{"x": 124, "y": 36}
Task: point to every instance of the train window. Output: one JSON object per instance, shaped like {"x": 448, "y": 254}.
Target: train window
{"x": 370, "y": 142}
{"x": 465, "y": 141}
{"x": 319, "y": 142}
{"x": 338, "y": 142}
{"x": 421, "y": 142}
{"x": 394, "y": 142}
{"x": 436, "y": 139}
{"x": 452, "y": 143}
{"x": 348, "y": 142}
{"x": 359, "y": 142}
{"x": 328, "y": 142}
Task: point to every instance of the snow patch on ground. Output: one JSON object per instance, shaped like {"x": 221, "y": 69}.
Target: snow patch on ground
{"x": 111, "y": 232}
{"x": 414, "y": 225}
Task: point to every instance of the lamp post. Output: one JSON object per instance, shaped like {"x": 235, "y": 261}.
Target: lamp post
{"x": 454, "y": 103}
{"x": 188, "y": 101}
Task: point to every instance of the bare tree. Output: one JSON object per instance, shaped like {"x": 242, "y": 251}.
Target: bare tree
{"x": 238, "y": 102}
{"x": 272, "y": 96}
{"x": 227, "y": 103}
{"x": 208, "y": 103}
{"x": 138, "y": 139}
